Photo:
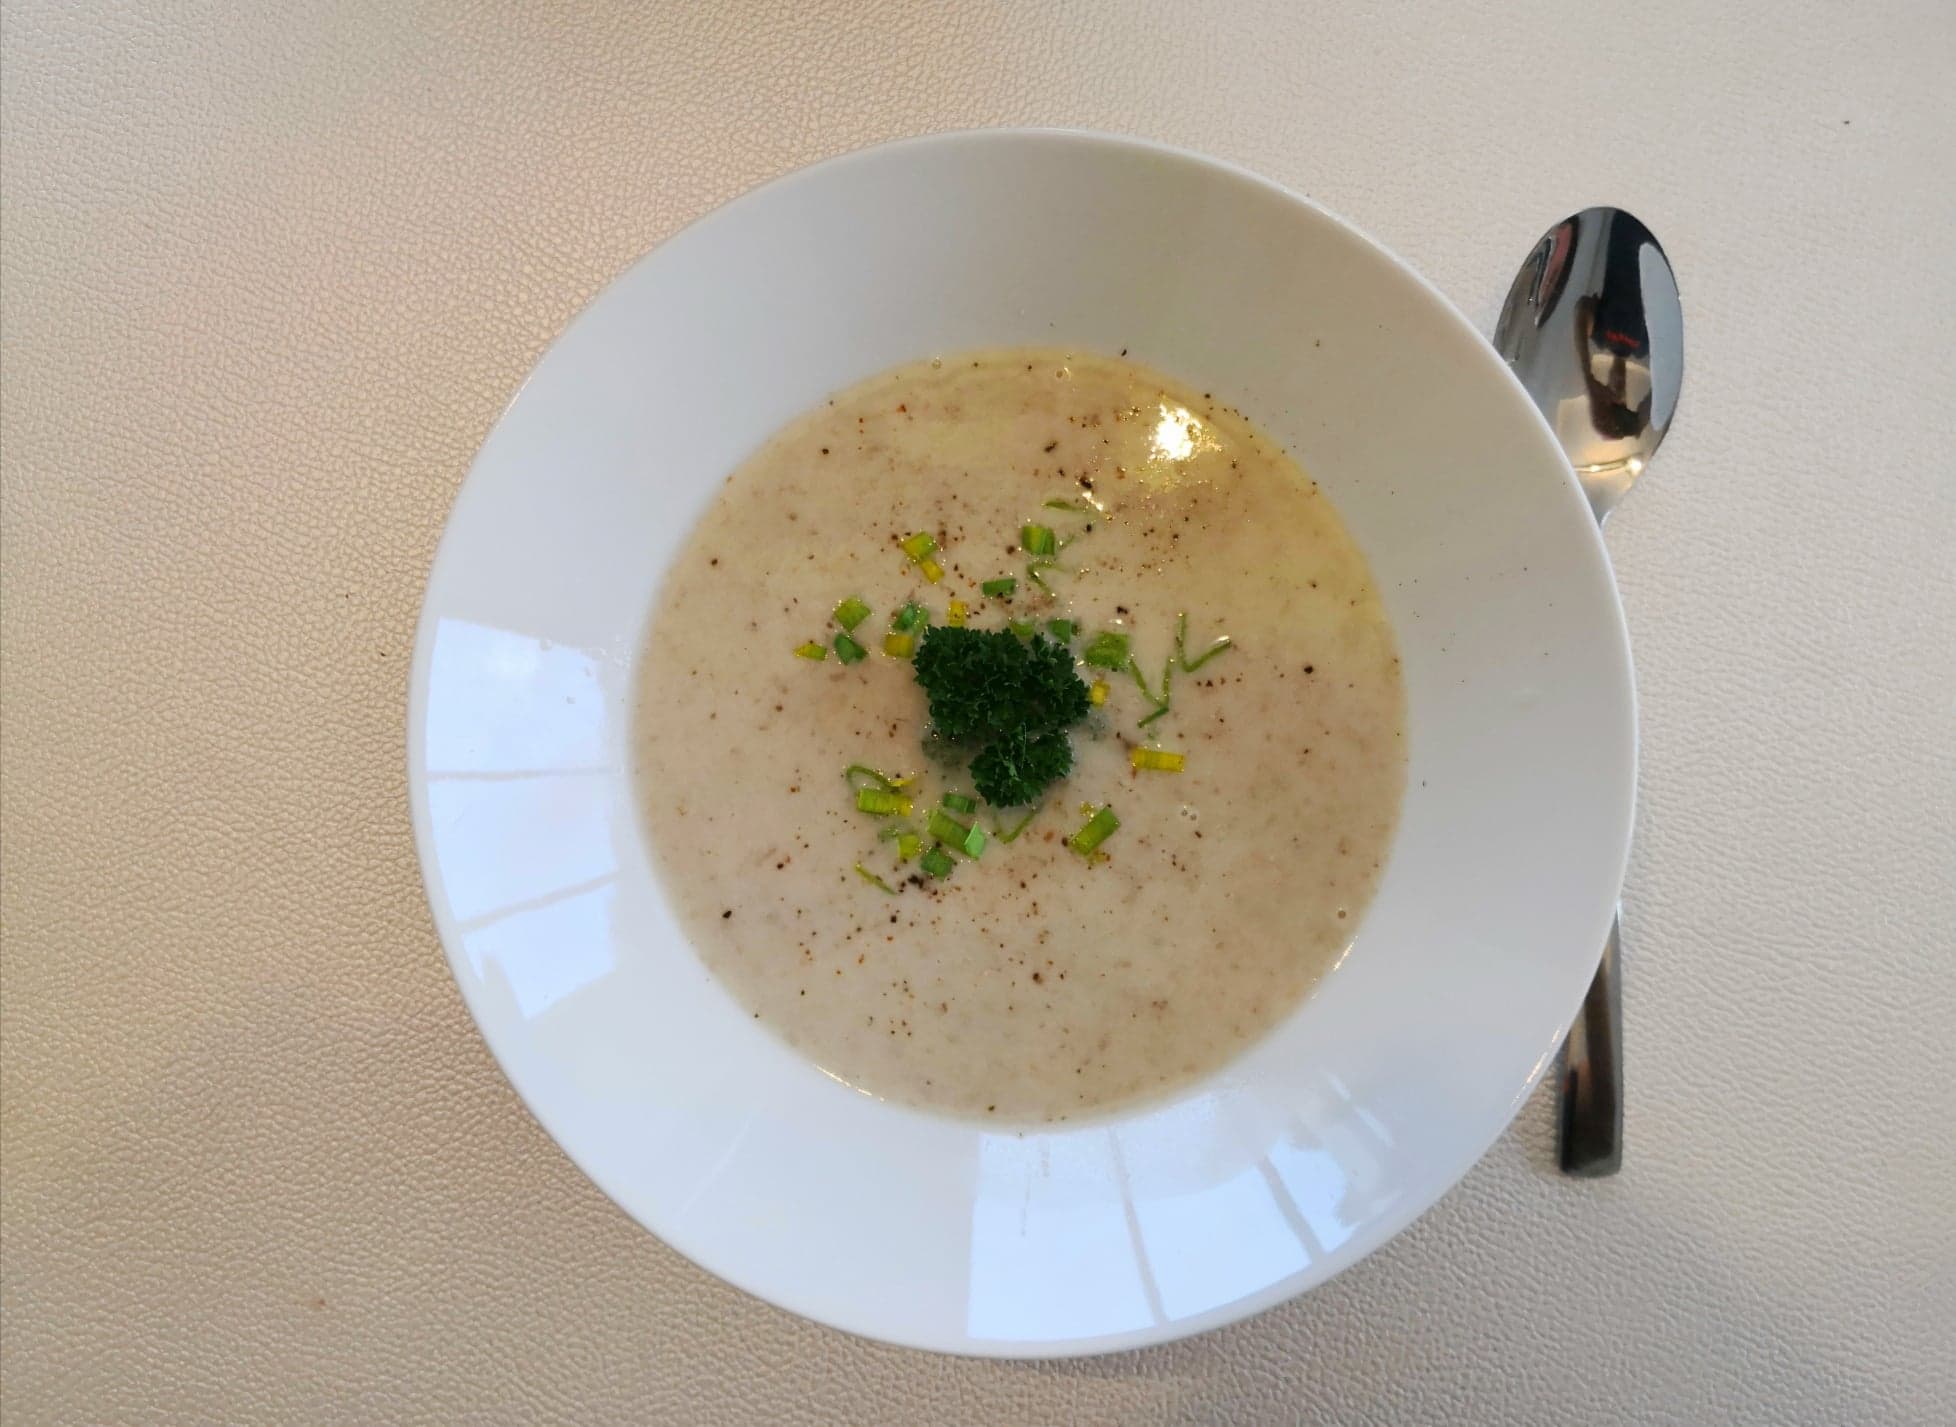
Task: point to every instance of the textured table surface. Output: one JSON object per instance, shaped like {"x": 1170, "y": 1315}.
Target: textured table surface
{"x": 271, "y": 271}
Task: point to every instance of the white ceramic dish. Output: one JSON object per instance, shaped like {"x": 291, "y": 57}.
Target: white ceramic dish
{"x": 1329, "y": 1136}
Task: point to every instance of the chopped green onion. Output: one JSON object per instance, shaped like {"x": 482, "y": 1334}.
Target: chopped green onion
{"x": 848, "y": 651}
{"x": 850, "y": 613}
{"x": 882, "y": 803}
{"x": 899, "y": 646}
{"x": 1038, "y": 540}
{"x": 1000, "y": 589}
{"x": 870, "y": 877}
{"x": 955, "y": 612}
{"x": 908, "y": 845}
{"x": 946, "y": 828}
{"x": 1158, "y": 760}
{"x": 911, "y": 618}
{"x": 1073, "y": 506}
{"x": 1181, "y": 645}
{"x": 1107, "y": 650}
{"x": 959, "y": 803}
{"x": 1062, "y": 629}
{"x": 932, "y": 571}
{"x": 1012, "y": 834}
{"x": 1024, "y": 628}
{"x": 920, "y": 547}
{"x": 937, "y": 862}
{"x": 1220, "y": 646}
{"x": 1036, "y": 572}
{"x": 1167, "y": 683}
{"x": 812, "y": 650}
{"x": 974, "y": 841}
{"x": 861, "y": 775}
{"x": 1097, "y": 692}
{"x": 1098, "y": 829}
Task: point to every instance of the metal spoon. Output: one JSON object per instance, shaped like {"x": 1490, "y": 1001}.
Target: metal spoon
{"x": 1594, "y": 329}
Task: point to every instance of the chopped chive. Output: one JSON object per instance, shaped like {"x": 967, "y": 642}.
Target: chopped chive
{"x": 899, "y": 646}
{"x": 1221, "y": 646}
{"x": 1062, "y": 629}
{"x": 959, "y": 803}
{"x": 937, "y": 862}
{"x": 946, "y": 828}
{"x": 1038, "y": 539}
{"x": 1181, "y": 645}
{"x": 861, "y": 775}
{"x": 920, "y": 547}
{"x": 1158, "y": 760}
{"x": 1073, "y": 506}
{"x": 1097, "y": 692}
{"x": 974, "y": 842}
{"x": 880, "y": 802}
{"x": 812, "y": 650}
{"x": 1098, "y": 829}
{"x": 1024, "y": 628}
{"x": 1107, "y": 650}
{"x": 1000, "y": 589}
{"x": 870, "y": 877}
{"x": 932, "y": 571}
{"x": 848, "y": 651}
{"x": 908, "y": 845}
{"x": 850, "y": 613}
{"x": 955, "y": 612}
{"x": 1012, "y": 834}
{"x": 1036, "y": 572}
{"x": 1167, "y": 683}
{"x": 911, "y": 618}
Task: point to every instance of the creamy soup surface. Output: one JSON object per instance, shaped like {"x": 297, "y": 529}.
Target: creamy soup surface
{"x": 1032, "y": 984}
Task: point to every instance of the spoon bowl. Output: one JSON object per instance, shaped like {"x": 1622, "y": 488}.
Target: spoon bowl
{"x": 1594, "y": 329}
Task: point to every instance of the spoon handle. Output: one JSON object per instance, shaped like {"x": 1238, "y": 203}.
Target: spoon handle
{"x": 1592, "y": 1095}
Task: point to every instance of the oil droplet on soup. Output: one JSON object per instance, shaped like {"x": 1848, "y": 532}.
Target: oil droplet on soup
{"x": 1033, "y": 984}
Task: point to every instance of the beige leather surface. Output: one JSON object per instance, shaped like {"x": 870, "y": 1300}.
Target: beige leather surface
{"x": 270, "y": 272}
